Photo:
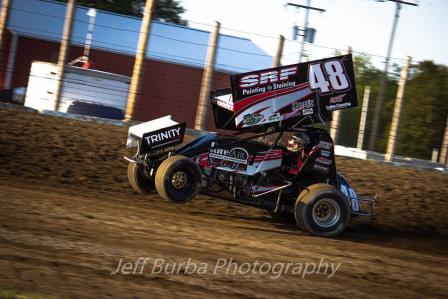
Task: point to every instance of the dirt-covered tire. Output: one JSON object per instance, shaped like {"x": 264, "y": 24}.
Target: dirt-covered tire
{"x": 322, "y": 210}
{"x": 139, "y": 181}
{"x": 178, "y": 179}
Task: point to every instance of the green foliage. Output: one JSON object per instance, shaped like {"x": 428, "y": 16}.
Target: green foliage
{"x": 424, "y": 111}
{"x": 163, "y": 10}
{"x": 367, "y": 75}
{"x": 424, "y": 114}
{"x": 169, "y": 11}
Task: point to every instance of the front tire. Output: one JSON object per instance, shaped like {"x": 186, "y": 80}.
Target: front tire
{"x": 178, "y": 179}
{"x": 322, "y": 210}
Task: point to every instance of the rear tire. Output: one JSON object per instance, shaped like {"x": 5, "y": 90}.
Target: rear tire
{"x": 322, "y": 210}
{"x": 139, "y": 181}
{"x": 178, "y": 179}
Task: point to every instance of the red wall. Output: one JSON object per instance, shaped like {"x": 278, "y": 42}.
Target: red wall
{"x": 173, "y": 89}
{"x": 166, "y": 88}
{"x": 29, "y": 50}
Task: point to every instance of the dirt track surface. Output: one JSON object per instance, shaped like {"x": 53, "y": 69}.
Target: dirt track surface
{"x": 68, "y": 216}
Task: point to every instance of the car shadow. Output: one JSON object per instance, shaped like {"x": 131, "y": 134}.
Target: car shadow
{"x": 421, "y": 239}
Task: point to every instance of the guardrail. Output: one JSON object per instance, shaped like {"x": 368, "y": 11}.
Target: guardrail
{"x": 396, "y": 160}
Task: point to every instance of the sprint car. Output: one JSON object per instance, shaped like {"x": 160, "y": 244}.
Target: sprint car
{"x": 276, "y": 153}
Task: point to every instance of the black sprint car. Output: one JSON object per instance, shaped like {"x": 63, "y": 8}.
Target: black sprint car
{"x": 279, "y": 155}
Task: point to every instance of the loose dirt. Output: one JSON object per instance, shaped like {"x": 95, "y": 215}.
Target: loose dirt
{"x": 68, "y": 215}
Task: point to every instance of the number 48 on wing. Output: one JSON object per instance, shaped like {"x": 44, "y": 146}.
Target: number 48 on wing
{"x": 328, "y": 77}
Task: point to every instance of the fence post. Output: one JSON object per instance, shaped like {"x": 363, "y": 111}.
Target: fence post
{"x": 202, "y": 109}
{"x": 4, "y": 13}
{"x": 393, "y": 133}
{"x": 278, "y": 55}
{"x": 362, "y": 121}
{"x": 435, "y": 154}
{"x": 11, "y": 61}
{"x": 444, "y": 149}
{"x": 65, "y": 43}
{"x": 139, "y": 60}
{"x": 334, "y": 125}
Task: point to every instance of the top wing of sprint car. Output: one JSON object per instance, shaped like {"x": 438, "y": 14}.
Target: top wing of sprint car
{"x": 301, "y": 94}
{"x": 275, "y": 159}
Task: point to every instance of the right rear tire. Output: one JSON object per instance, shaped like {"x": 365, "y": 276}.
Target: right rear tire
{"x": 322, "y": 210}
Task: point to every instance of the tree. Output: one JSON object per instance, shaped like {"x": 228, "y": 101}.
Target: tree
{"x": 163, "y": 10}
{"x": 424, "y": 114}
{"x": 168, "y": 11}
{"x": 367, "y": 74}
{"x": 424, "y": 111}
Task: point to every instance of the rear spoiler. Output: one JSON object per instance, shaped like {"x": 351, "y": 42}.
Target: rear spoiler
{"x": 294, "y": 94}
{"x": 156, "y": 134}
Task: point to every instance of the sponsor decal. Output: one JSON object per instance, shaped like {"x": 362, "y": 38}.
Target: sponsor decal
{"x": 281, "y": 85}
{"x": 261, "y": 89}
{"x": 321, "y": 168}
{"x": 255, "y": 90}
{"x": 298, "y": 106}
{"x": 325, "y": 145}
{"x": 350, "y": 193}
{"x": 168, "y": 136}
{"x": 237, "y": 154}
{"x": 338, "y": 106}
{"x": 337, "y": 99}
{"x": 267, "y": 80}
{"x": 331, "y": 78}
{"x": 325, "y": 153}
{"x": 307, "y": 111}
{"x": 324, "y": 160}
{"x": 267, "y": 77}
{"x": 273, "y": 117}
{"x": 252, "y": 119}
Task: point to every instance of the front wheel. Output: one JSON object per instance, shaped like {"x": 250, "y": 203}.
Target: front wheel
{"x": 322, "y": 210}
{"x": 178, "y": 179}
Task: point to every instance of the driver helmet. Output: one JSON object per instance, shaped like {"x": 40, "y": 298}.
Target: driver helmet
{"x": 298, "y": 142}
